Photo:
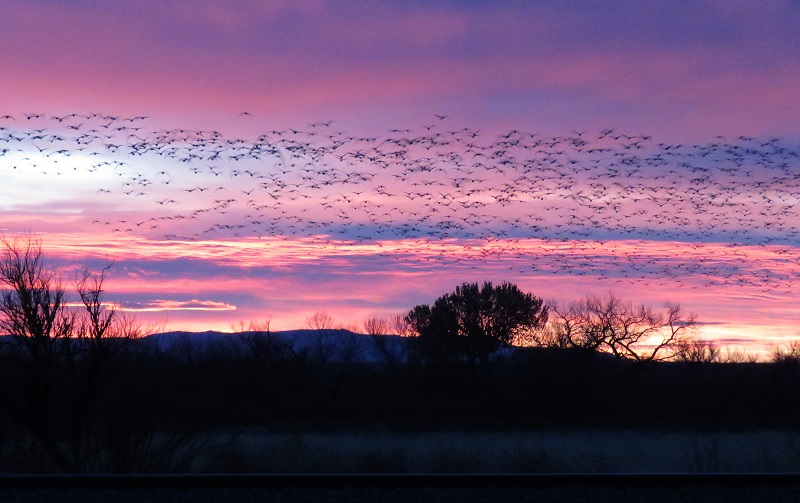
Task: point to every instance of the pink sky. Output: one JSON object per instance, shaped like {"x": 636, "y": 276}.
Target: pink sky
{"x": 364, "y": 234}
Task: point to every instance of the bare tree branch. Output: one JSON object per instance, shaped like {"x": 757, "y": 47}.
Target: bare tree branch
{"x": 618, "y": 327}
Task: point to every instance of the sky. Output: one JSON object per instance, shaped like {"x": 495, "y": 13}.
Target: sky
{"x": 248, "y": 160}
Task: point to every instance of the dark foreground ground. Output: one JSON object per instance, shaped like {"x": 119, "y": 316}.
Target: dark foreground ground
{"x": 263, "y": 408}
{"x": 452, "y": 488}
{"x": 405, "y": 495}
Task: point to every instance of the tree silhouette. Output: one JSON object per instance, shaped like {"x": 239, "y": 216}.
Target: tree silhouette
{"x": 698, "y": 351}
{"x": 320, "y": 320}
{"x": 68, "y": 386}
{"x": 384, "y": 333}
{"x": 474, "y": 321}
{"x": 376, "y": 326}
{"x": 33, "y": 304}
{"x": 34, "y": 317}
{"x": 789, "y": 354}
{"x": 618, "y": 327}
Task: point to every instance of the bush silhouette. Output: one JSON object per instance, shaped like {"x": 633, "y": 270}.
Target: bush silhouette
{"x": 472, "y": 322}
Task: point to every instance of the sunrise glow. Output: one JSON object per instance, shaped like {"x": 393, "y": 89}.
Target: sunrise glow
{"x": 364, "y": 170}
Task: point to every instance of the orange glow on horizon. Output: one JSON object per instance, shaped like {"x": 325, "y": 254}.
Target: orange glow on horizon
{"x": 390, "y": 276}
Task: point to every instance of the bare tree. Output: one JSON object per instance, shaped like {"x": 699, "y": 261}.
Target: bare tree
{"x": 64, "y": 368}
{"x": 546, "y": 336}
{"x": 789, "y": 354}
{"x": 267, "y": 352}
{"x": 33, "y": 306}
{"x": 34, "y": 315}
{"x": 738, "y": 356}
{"x": 399, "y": 325}
{"x": 101, "y": 328}
{"x": 618, "y": 327}
{"x": 390, "y": 351}
{"x": 376, "y": 326}
{"x": 697, "y": 350}
{"x": 320, "y": 320}
{"x": 256, "y": 338}
{"x": 331, "y": 344}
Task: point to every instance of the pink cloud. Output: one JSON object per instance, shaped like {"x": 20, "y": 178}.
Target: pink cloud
{"x": 237, "y": 16}
{"x": 550, "y": 58}
{"x": 550, "y": 69}
{"x": 160, "y": 305}
{"x": 288, "y": 280}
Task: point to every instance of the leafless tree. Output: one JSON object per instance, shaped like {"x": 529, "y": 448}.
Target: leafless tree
{"x": 255, "y": 335}
{"x": 332, "y": 343}
{"x": 320, "y": 320}
{"x": 33, "y": 306}
{"x": 789, "y": 354}
{"x": 376, "y": 326}
{"x": 738, "y": 356}
{"x": 256, "y": 338}
{"x": 544, "y": 336}
{"x": 399, "y": 325}
{"x": 697, "y": 350}
{"x": 64, "y": 371}
{"x": 34, "y": 315}
{"x": 384, "y": 341}
{"x": 267, "y": 352}
{"x": 692, "y": 349}
{"x": 101, "y": 327}
{"x": 618, "y": 327}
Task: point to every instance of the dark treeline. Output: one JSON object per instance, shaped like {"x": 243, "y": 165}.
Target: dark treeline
{"x": 530, "y": 388}
{"x": 150, "y": 409}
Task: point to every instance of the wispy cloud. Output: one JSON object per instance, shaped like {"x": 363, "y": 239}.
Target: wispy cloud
{"x": 178, "y": 305}
{"x": 191, "y": 206}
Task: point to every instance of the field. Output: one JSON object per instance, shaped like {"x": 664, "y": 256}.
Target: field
{"x": 578, "y": 451}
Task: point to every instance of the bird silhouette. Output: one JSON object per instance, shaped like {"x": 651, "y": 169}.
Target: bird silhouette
{"x": 506, "y": 196}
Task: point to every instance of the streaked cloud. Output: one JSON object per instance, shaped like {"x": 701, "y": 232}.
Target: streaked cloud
{"x": 160, "y": 305}
{"x": 374, "y": 227}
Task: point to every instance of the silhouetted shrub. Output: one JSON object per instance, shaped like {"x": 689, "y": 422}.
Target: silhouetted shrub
{"x": 472, "y": 322}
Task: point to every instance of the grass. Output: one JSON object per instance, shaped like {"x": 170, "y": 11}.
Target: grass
{"x": 601, "y": 451}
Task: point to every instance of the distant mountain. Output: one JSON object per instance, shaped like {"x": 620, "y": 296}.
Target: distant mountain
{"x": 335, "y": 345}
{"x": 330, "y": 345}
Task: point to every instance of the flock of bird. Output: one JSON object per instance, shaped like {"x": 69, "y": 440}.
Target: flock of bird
{"x": 496, "y": 196}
